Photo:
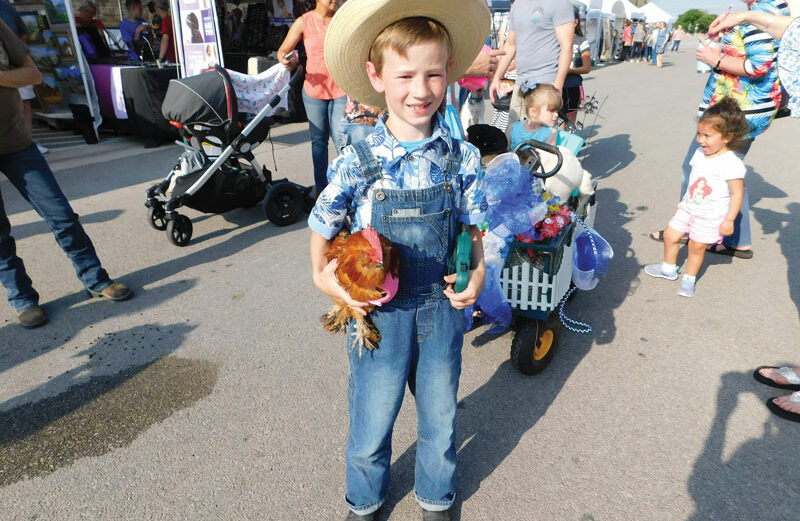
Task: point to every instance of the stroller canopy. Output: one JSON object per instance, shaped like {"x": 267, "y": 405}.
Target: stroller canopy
{"x": 205, "y": 98}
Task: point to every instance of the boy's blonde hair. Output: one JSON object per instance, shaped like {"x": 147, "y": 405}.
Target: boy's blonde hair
{"x": 402, "y": 34}
{"x": 544, "y": 95}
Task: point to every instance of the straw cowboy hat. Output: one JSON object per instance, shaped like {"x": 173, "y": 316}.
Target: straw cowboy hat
{"x": 357, "y": 24}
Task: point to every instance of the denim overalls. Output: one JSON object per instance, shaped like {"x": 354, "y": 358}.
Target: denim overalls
{"x": 421, "y": 345}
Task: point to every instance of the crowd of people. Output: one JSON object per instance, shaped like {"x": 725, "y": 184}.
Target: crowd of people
{"x": 647, "y": 43}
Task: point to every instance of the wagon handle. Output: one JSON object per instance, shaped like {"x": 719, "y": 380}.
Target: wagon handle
{"x": 526, "y": 151}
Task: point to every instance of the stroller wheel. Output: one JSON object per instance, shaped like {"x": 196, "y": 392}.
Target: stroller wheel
{"x": 179, "y": 230}
{"x": 156, "y": 218}
{"x": 283, "y": 204}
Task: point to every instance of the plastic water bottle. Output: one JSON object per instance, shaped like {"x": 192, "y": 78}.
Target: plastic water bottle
{"x": 184, "y": 166}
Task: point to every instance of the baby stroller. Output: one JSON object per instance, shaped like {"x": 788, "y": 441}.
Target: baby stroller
{"x": 217, "y": 171}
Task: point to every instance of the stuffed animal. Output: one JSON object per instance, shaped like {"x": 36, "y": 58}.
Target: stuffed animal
{"x": 570, "y": 176}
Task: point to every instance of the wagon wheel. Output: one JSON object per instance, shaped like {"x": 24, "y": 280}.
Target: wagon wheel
{"x": 535, "y": 344}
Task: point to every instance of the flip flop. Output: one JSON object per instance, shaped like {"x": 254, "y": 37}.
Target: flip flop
{"x": 730, "y": 251}
{"x": 787, "y": 373}
{"x": 783, "y": 413}
{"x": 682, "y": 240}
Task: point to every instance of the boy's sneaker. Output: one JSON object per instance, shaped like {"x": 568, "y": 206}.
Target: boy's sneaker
{"x": 686, "y": 288}
{"x": 654, "y": 270}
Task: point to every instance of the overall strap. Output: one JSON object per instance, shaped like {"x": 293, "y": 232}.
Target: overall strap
{"x": 452, "y": 160}
{"x": 369, "y": 166}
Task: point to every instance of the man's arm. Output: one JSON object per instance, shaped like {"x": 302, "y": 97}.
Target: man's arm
{"x": 164, "y": 45}
{"x": 485, "y": 64}
{"x": 510, "y": 50}
{"x": 26, "y": 74}
{"x": 565, "y": 33}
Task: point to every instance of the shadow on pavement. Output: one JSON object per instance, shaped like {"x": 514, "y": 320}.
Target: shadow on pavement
{"x": 598, "y": 306}
{"x": 98, "y": 414}
{"x": 22, "y": 231}
{"x": 787, "y": 226}
{"x": 608, "y": 155}
{"x": 71, "y": 313}
{"x": 756, "y": 481}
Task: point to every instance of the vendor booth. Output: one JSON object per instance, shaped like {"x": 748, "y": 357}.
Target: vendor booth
{"x": 67, "y": 92}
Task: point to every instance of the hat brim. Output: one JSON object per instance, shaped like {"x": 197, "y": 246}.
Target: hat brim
{"x": 357, "y": 24}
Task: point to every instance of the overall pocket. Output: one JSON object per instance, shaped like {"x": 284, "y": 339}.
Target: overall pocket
{"x": 421, "y": 239}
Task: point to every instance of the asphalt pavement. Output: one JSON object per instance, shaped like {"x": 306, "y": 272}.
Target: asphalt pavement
{"x": 215, "y": 394}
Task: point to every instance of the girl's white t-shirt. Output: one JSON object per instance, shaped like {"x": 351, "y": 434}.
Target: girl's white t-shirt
{"x": 708, "y": 194}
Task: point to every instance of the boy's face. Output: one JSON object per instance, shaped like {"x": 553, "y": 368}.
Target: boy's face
{"x": 136, "y": 11}
{"x": 543, "y": 115}
{"x": 414, "y": 87}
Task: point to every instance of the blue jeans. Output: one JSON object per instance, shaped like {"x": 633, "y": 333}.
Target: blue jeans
{"x": 675, "y": 45}
{"x": 421, "y": 345}
{"x": 324, "y": 117}
{"x": 29, "y": 173}
{"x": 741, "y": 226}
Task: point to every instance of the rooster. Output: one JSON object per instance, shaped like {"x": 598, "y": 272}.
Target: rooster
{"x": 368, "y": 270}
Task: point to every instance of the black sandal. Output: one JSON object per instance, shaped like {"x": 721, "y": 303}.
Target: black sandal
{"x": 730, "y": 251}
{"x": 772, "y": 383}
{"x": 777, "y": 410}
{"x": 682, "y": 240}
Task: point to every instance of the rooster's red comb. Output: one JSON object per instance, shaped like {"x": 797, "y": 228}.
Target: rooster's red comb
{"x": 374, "y": 240}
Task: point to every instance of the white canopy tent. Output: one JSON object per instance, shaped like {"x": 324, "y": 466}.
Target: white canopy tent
{"x": 654, "y": 14}
{"x": 631, "y": 11}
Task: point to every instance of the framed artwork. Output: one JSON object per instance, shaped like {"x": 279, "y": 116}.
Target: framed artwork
{"x": 64, "y": 45}
{"x": 31, "y": 20}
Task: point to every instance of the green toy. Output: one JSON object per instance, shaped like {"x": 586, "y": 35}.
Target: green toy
{"x": 460, "y": 260}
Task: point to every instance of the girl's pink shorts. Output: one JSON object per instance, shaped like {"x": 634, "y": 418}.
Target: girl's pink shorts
{"x": 700, "y": 229}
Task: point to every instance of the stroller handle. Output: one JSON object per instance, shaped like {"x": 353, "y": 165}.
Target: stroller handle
{"x": 526, "y": 151}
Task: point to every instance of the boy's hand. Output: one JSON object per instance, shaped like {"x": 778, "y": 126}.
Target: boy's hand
{"x": 327, "y": 283}
{"x": 470, "y": 295}
{"x": 726, "y": 228}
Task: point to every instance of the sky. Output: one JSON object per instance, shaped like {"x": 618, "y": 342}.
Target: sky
{"x": 676, "y": 7}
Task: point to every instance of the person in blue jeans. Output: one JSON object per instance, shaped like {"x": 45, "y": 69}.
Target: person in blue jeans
{"x": 25, "y": 167}
{"x": 324, "y": 101}
{"x": 414, "y": 183}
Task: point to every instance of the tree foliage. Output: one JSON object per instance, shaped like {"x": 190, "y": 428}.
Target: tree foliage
{"x": 695, "y": 19}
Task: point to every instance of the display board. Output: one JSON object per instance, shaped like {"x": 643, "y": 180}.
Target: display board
{"x": 54, "y": 46}
{"x": 282, "y": 12}
{"x": 196, "y": 28}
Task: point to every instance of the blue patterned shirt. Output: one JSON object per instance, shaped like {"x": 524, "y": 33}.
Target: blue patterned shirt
{"x": 402, "y": 170}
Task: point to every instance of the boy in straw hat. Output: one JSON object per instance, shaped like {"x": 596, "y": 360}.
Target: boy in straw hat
{"x": 413, "y": 183}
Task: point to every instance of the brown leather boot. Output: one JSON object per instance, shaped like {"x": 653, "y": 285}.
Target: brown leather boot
{"x": 32, "y": 317}
{"x": 116, "y": 291}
